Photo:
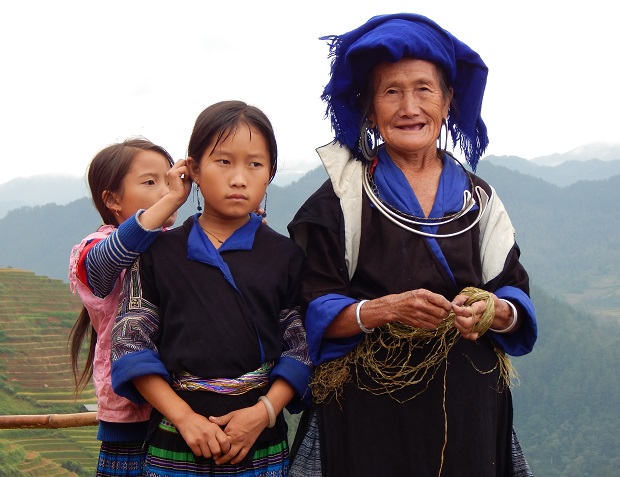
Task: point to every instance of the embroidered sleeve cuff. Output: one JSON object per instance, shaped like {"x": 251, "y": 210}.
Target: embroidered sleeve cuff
{"x": 134, "y": 365}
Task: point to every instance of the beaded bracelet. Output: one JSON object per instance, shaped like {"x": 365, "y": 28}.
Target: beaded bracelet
{"x": 514, "y": 318}
{"x": 270, "y": 411}
{"x": 359, "y": 320}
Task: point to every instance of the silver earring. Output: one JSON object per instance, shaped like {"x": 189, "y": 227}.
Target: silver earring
{"x": 265, "y": 206}
{"x": 197, "y": 197}
{"x": 442, "y": 150}
{"x": 368, "y": 141}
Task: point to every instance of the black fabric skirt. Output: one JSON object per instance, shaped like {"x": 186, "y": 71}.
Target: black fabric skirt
{"x": 458, "y": 424}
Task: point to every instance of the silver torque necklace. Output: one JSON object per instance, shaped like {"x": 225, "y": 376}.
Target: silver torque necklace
{"x": 402, "y": 219}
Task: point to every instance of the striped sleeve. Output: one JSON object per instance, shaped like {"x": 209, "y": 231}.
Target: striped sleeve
{"x": 108, "y": 258}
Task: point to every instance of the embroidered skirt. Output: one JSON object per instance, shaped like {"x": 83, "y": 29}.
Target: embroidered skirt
{"x": 169, "y": 456}
{"x": 121, "y": 459}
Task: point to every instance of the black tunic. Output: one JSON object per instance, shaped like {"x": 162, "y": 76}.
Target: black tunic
{"x": 365, "y": 434}
{"x": 199, "y": 321}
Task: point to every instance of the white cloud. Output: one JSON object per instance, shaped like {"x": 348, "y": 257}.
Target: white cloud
{"x": 77, "y": 75}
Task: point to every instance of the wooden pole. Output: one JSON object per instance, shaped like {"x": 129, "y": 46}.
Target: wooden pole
{"x": 49, "y": 421}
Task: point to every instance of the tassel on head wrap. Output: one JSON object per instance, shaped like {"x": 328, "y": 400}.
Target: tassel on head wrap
{"x": 389, "y": 38}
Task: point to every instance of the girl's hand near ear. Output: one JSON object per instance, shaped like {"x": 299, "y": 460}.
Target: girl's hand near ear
{"x": 179, "y": 181}
{"x": 163, "y": 212}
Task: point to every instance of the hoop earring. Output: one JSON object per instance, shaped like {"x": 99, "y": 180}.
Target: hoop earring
{"x": 444, "y": 125}
{"x": 368, "y": 141}
{"x": 197, "y": 197}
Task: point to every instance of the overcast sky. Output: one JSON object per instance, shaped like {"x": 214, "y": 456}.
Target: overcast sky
{"x": 76, "y": 76}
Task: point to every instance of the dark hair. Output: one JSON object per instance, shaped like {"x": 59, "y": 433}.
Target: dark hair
{"x": 110, "y": 166}
{"x": 105, "y": 173}
{"x": 222, "y": 119}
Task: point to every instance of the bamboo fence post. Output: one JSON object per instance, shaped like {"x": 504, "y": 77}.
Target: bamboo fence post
{"x": 49, "y": 421}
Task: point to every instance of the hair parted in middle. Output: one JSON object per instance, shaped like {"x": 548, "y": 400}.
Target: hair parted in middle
{"x": 222, "y": 119}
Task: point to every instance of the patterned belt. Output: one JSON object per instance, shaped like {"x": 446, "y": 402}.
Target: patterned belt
{"x": 254, "y": 379}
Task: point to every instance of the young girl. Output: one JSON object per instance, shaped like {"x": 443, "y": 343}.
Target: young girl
{"x": 137, "y": 190}
{"x": 209, "y": 331}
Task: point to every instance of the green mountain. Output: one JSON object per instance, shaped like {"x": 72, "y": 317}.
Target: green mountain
{"x": 566, "y": 234}
{"x": 40, "y": 238}
{"x": 565, "y": 399}
{"x": 567, "y": 395}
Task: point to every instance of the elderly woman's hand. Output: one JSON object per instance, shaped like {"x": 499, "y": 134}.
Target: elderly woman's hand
{"x": 466, "y": 317}
{"x": 420, "y": 308}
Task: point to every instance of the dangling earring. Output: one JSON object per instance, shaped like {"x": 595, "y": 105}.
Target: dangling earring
{"x": 442, "y": 150}
{"x": 368, "y": 141}
{"x": 197, "y": 198}
{"x": 265, "y": 206}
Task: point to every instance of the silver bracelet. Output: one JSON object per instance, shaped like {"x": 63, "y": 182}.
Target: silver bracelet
{"x": 514, "y": 318}
{"x": 270, "y": 411}
{"x": 359, "y": 320}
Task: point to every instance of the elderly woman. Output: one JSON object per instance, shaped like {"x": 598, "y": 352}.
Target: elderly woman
{"x": 413, "y": 289}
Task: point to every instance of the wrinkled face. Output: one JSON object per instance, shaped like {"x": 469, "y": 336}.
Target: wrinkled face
{"x": 144, "y": 184}
{"x": 233, "y": 179}
{"x": 408, "y": 105}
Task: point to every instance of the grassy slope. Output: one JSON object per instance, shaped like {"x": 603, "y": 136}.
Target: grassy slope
{"x": 36, "y": 315}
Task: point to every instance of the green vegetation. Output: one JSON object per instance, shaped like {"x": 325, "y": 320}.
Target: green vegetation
{"x": 567, "y": 236}
{"x": 36, "y": 315}
{"x": 566, "y": 411}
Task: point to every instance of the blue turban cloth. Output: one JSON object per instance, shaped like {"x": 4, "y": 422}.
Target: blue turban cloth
{"x": 389, "y": 38}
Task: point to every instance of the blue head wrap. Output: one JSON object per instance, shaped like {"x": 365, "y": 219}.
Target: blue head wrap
{"x": 389, "y": 38}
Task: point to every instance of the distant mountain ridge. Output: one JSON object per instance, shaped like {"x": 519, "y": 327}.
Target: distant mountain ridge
{"x": 41, "y": 190}
{"x": 596, "y": 150}
{"x": 566, "y": 232}
{"x": 62, "y": 189}
{"x": 590, "y": 162}
{"x": 568, "y": 237}
{"x": 563, "y": 174}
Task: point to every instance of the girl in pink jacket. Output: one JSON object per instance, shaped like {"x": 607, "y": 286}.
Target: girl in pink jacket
{"x": 137, "y": 189}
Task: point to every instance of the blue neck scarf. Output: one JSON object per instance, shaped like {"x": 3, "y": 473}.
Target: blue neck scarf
{"x": 396, "y": 191}
{"x": 200, "y": 248}
{"x": 389, "y": 38}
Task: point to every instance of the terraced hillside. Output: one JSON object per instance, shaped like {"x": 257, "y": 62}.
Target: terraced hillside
{"x": 36, "y": 316}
